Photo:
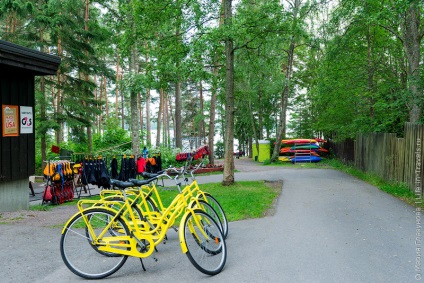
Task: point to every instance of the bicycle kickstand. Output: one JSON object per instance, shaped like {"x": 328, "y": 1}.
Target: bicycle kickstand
{"x": 142, "y": 264}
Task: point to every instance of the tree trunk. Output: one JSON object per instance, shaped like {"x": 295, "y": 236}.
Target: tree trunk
{"x": 370, "y": 71}
{"x": 172, "y": 117}
{"x": 158, "y": 129}
{"x": 411, "y": 43}
{"x": 148, "y": 125}
{"x": 59, "y": 132}
{"x": 261, "y": 115}
{"x": 281, "y": 132}
{"x": 148, "y": 97}
{"x": 168, "y": 120}
{"x": 87, "y": 78}
{"x": 135, "y": 120}
{"x": 122, "y": 110}
{"x": 255, "y": 131}
{"x": 228, "y": 175}
{"x": 89, "y": 139}
{"x": 284, "y": 103}
{"x": 106, "y": 100}
{"x": 165, "y": 120}
{"x": 202, "y": 121}
{"x": 140, "y": 113}
{"x": 117, "y": 87}
{"x": 212, "y": 111}
{"x": 178, "y": 117}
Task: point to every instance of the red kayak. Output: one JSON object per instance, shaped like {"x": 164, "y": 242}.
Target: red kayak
{"x": 298, "y": 141}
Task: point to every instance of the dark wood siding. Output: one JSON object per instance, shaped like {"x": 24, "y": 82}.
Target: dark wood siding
{"x": 17, "y": 154}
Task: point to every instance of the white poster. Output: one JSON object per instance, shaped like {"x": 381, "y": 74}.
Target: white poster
{"x": 27, "y": 120}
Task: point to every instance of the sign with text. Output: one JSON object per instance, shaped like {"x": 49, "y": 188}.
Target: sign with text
{"x": 10, "y": 120}
{"x": 27, "y": 120}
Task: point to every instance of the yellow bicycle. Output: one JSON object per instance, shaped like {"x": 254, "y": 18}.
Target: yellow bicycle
{"x": 97, "y": 240}
{"x": 202, "y": 200}
{"x": 190, "y": 190}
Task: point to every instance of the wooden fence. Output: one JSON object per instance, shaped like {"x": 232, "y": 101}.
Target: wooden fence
{"x": 343, "y": 150}
{"x": 391, "y": 158}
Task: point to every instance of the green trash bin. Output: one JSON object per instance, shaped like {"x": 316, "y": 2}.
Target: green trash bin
{"x": 264, "y": 151}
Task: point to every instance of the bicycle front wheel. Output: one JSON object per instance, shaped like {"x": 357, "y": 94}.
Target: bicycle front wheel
{"x": 80, "y": 253}
{"x": 205, "y": 243}
{"x": 219, "y": 211}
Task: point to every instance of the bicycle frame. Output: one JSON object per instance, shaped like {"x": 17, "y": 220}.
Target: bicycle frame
{"x": 128, "y": 245}
{"x": 190, "y": 192}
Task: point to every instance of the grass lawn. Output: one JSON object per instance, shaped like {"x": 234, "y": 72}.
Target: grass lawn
{"x": 243, "y": 200}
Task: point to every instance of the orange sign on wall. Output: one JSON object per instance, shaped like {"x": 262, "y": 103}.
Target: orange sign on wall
{"x": 10, "y": 120}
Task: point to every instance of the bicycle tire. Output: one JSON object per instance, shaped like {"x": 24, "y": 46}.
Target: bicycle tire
{"x": 88, "y": 262}
{"x": 209, "y": 254}
{"x": 218, "y": 209}
{"x": 206, "y": 207}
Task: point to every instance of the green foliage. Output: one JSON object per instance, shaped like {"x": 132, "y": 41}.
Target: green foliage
{"x": 113, "y": 137}
{"x": 350, "y": 71}
{"x": 219, "y": 149}
{"x": 356, "y": 88}
{"x": 267, "y": 161}
{"x": 167, "y": 156}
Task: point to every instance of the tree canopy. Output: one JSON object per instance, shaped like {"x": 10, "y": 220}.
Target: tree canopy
{"x": 300, "y": 68}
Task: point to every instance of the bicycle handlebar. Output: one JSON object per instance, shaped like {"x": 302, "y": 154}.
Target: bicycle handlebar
{"x": 150, "y": 177}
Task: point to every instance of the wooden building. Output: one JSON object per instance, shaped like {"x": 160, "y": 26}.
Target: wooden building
{"x": 18, "y": 68}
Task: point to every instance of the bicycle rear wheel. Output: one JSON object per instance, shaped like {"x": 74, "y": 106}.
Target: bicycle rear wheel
{"x": 208, "y": 253}
{"x": 218, "y": 209}
{"x": 79, "y": 252}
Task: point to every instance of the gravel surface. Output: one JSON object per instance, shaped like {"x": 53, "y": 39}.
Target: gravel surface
{"x": 50, "y": 218}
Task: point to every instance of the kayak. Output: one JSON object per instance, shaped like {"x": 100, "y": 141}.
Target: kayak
{"x": 308, "y": 146}
{"x": 288, "y": 149}
{"x": 294, "y": 151}
{"x": 303, "y": 159}
{"x": 295, "y": 141}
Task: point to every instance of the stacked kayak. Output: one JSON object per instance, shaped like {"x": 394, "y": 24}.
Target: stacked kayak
{"x": 298, "y": 141}
{"x": 305, "y": 159}
{"x": 305, "y": 146}
{"x": 302, "y": 150}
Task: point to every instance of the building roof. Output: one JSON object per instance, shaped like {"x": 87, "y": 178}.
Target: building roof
{"x": 28, "y": 59}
